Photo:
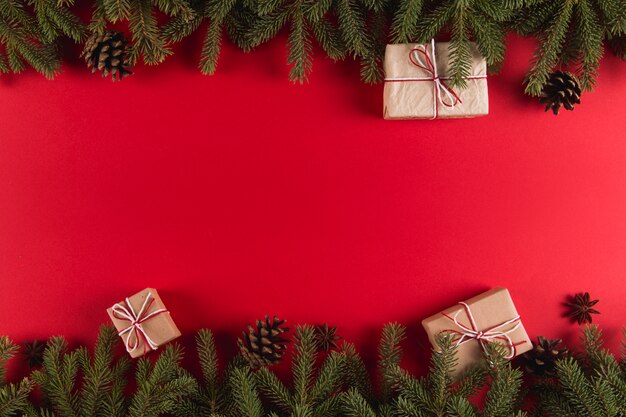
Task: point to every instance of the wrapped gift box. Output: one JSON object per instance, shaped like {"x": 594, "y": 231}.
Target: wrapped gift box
{"x": 143, "y": 322}
{"x": 488, "y": 317}
{"x": 416, "y": 83}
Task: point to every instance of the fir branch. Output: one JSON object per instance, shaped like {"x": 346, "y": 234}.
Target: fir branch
{"x": 217, "y": 12}
{"x": 207, "y": 356}
{"x": 245, "y": 393}
{"x": 405, "y": 21}
{"x": 147, "y": 39}
{"x": 274, "y": 389}
{"x": 57, "y": 379}
{"x": 354, "y": 405}
{"x": 14, "y": 397}
{"x": 162, "y": 385}
{"x": 546, "y": 56}
{"x": 303, "y": 363}
{"x": 329, "y": 378}
{"x": 351, "y": 20}
{"x": 300, "y": 47}
{"x": 577, "y": 389}
{"x": 490, "y": 37}
{"x": 175, "y": 8}
{"x": 98, "y": 372}
{"x": 98, "y": 22}
{"x": 315, "y": 10}
{"x": 7, "y": 351}
{"x": 356, "y": 375}
{"x": 505, "y": 385}
{"x": 117, "y": 10}
{"x": 433, "y": 22}
{"x": 389, "y": 356}
{"x": 24, "y": 41}
{"x": 460, "y": 49}
{"x": 329, "y": 39}
{"x": 265, "y": 7}
{"x": 589, "y": 38}
{"x": 266, "y": 27}
{"x": 55, "y": 19}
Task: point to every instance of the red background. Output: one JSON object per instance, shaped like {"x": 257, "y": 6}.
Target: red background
{"x": 242, "y": 194}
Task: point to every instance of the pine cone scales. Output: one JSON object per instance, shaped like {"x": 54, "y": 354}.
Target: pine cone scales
{"x": 263, "y": 345}
{"x": 563, "y": 90}
{"x": 541, "y": 360}
{"x": 106, "y": 52}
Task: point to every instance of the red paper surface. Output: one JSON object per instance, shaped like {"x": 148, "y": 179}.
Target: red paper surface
{"x": 242, "y": 194}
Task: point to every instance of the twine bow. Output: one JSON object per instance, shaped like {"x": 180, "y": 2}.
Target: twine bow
{"x": 468, "y": 334}
{"x": 135, "y": 331}
{"x": 442, "y": 93}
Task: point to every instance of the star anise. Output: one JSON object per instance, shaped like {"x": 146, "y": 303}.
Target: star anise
{"x": 326, "y": 337}
{"x": 581, "y": 308}
{"x": 33, "y": 353}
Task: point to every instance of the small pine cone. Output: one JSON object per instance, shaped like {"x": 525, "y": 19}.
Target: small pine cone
{"x": 264, "y": 345}
{"x": 106, "y": 52}
{"x": 562, "y": 89}
{"x": 542, "y": 358}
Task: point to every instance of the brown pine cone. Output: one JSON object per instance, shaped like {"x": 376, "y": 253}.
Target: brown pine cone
{"x": 562, "y": 89}
{"x": 107, "y": 52}
{"x": 263, "y": 345}
{"x": 542, "y": 358}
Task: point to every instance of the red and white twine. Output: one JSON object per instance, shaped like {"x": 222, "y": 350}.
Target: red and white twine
{"x": 468, "y": 334}
{"x": 135, "y": 331}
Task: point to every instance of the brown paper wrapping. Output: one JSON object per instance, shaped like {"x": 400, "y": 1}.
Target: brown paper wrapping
{"x": 161, "y": 328}
{"x": 489, "y": 309}
{"x": 414, "y": 99}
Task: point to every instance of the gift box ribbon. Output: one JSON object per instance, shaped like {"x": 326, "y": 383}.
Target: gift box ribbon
{"x": 135, "y": 330}
{"x": 469, "y": 334}
{"x": 426, "y": 59}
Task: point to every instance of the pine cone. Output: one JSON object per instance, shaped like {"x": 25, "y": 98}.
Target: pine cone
{"x": 326, "y": 337}
{"x": 106, "y": 52}
{"x": 581, "y": 308}
{"x": 264, "y": 345}
{"x": 542, "y": 358}
{"x": 33, "y": 353}
{"x": 562, "y": 89}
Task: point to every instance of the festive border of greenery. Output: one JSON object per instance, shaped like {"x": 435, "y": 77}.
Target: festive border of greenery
{"x": 571, "y": 33}
{"x": 77, "y": 383}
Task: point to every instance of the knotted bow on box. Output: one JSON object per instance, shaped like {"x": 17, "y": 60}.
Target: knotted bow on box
{"x": 487, "y": 317}
{"x": 143, "y": 322}
{"x": 499, "y": 332}
{"x": 409, "y": 63}
{"x": 135, "y": 332}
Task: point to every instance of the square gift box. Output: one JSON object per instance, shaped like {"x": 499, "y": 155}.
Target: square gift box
{"x": 488, "y": 317}
{"x": 143, "y": 322}
{"x": 416, "y": 84}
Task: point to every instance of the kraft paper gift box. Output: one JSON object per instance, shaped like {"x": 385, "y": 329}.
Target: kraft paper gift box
{"x": 488, "y": 317}
{"x": 143, "y": 322}
{"x": 412, "y": 90}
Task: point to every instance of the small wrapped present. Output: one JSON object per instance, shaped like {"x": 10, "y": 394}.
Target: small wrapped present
{"x": 416, "y": 83}
{"x": 143, "y": 322}
{"x": 488, "y": 317}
